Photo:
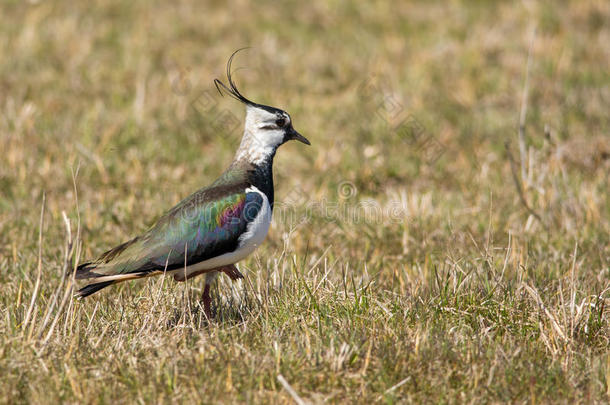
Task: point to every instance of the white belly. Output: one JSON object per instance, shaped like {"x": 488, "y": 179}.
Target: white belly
{"x": 249, "y": 241}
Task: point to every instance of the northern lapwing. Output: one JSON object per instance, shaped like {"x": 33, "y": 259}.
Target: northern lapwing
{"x": 217, "y": 226}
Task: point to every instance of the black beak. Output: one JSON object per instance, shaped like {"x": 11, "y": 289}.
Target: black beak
{"x": 292, "y": 134}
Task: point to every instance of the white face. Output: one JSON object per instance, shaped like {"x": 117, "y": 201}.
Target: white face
{"x": 269, "y": 128}
{"x": 264, "y": 132}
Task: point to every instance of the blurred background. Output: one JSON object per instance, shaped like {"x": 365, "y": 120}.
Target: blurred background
{"x": 412, "y": 108}
{"x": 124, "y": 91}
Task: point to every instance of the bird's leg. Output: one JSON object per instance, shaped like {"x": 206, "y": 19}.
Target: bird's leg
{"x": 210, "y": 275}
{"x": 232, "y": 272}
{"x": 206, "y": 299}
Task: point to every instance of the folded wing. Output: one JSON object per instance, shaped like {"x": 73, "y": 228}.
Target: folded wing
{"x": 203, "y": 226}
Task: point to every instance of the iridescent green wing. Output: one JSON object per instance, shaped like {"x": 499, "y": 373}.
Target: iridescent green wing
{"x": 203, "y": 226}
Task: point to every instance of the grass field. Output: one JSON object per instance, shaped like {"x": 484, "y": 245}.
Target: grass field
{"x": 423, "y": 250}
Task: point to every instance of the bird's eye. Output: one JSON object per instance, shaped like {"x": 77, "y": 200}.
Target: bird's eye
{"x": 280, "y": 122}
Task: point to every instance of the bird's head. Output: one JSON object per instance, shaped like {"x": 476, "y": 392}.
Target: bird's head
{"x": 266, "y": 127}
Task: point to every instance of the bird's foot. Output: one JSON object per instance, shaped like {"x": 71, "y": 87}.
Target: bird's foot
{"x": 232, "y": 272}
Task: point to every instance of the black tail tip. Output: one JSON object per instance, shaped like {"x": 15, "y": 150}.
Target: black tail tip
{"x": 84, "y": 271}
{"x": 92, "y": 288}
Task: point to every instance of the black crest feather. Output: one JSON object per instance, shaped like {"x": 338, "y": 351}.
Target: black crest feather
{"x": 232, "y": 88}
{"x": 233, "y": 92}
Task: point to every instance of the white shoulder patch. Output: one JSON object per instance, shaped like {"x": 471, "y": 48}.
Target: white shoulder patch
{"x": 257, "y": 229}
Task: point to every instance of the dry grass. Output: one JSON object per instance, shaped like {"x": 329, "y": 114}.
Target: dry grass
{"x": 403, "y": 264}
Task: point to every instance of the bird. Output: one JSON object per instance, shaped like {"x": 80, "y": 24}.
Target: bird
{"x": 217, "y": 226}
